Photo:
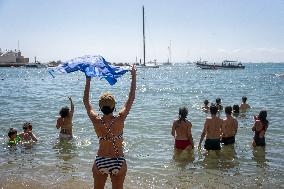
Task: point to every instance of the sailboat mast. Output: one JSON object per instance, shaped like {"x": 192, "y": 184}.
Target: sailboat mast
{"x": 143, "y": 37}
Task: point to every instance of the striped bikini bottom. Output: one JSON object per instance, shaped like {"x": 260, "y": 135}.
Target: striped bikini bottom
{"x": 109, "y": 165}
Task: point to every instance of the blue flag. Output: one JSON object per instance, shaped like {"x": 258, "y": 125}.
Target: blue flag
{"x": 92, "y": 66}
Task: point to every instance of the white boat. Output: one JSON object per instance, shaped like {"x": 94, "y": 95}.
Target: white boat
{"x": 226, "y": 64}
{"x": 169, "y": 62}
{"x": 35, "y": 64}
{"x": 150, "y": 64}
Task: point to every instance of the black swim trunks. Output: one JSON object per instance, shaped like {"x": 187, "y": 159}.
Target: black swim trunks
{"x": 212, "y": 144}
{"x": 228, "y": 140}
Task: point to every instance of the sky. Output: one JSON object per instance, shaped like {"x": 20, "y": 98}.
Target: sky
{"x": 213, "y": 30}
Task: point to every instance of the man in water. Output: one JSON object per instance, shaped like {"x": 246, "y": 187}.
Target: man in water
{"x": 212, "y": 130}
{"x": 229, "y": 127}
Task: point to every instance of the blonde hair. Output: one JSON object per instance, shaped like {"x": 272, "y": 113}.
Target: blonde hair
{"x": 108, "y": 100}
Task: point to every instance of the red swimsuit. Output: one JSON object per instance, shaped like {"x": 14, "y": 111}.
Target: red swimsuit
{"x": 182, "y": 144}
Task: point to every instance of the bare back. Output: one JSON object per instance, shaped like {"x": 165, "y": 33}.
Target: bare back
{"x": 182, "y": 130}
{"x": 65, "y": 124}
{"x": 229, "y": 127}
{"x": 212, "y": 127}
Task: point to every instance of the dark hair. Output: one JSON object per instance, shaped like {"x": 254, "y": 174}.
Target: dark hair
{"x": 27, "y": 125}
{"x": 183, "y": 112}
{"x": 228, "y": 110}
{"x": 213, "y": 109}
{"x": 262, "y": 117}
{"x": 218, "y": 100}
{"x": 244, "y": 99}
{"x": 206, "y": 102}
{"x": 236, "y": 108}
{"x": 64, "y": 112}
{"x": 11, "y": 132}
{"x": 107, "y": 110}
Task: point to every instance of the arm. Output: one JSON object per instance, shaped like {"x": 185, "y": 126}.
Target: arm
{"x": 33, "y": 136}
{"x": 237, "y": 126}
{"x": 72, "y": 106}
{"x": 173, "y": 129}
{"x": 189, "y": 134}
{"x": 58, "y": 123}
{"x": 127, "y": 106}
{"x": 91, "y": 113}
{"x": 202, "y": 135}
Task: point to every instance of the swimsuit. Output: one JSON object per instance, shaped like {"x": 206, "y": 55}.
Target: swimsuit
{"x": 108, "y": 165}
{"x": 63, "y": 134}
{"x": 182, "y": 144}
{"x": 259, "y": 141}
{"x": 228, "y": 140}
{"x": 212, "y": 144}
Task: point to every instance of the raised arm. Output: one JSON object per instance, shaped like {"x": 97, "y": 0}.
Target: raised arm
{"x": 72, "y": 106}
{"x": 90, "y": 111}
{"x": 127, "y": 106}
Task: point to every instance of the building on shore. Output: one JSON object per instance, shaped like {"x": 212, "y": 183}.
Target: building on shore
{"x": 10, "y": 58}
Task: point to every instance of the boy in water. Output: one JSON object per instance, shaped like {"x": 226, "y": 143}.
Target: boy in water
{"x": 205, "y": 108}
{"x": 27, "y": 135}
{"x": 181, "y": 131}
{"x": 244, "y": 106}
{"x": 13, "y": 137}
{"x": 229, "y": 127}
{"x": 64, "y": 122}
{"x": 212, "y": 130}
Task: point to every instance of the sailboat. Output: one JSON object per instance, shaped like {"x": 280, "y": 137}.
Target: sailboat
{"x": 154, "y": 63}
{"x": 169, "y": 62}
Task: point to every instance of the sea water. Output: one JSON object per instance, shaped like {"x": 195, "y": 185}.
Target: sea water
{"x": 34, "y": 95}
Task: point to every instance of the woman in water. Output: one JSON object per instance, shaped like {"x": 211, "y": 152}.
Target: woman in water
{"x": 109, "y": 129}
{"x": 64, "y": 122}
{"x": 259, "y": 128}
{"x": 181, "y": 131}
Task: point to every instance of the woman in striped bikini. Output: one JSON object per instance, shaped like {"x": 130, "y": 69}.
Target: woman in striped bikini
{"x": 109, "y": 128}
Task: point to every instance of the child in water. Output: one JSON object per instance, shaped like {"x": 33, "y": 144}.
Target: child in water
{"x": 181, "y": 131}
{"x": 64, "y": 122}
{"x": 205, "y": 108}
{"x": 13, "y": 137}
{"x": 244, "y": 106}
{"x": 218, "y": 104}
{"x": 27, "y": 135}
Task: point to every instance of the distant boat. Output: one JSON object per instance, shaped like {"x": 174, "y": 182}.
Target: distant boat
{"x": 150, "y": 64}
{"x": 226, "y": 64}
{"x": 35, "y": 64}
{"x": 169, "y": 62}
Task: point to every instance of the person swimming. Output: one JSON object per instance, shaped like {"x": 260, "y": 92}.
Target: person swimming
{"x": 181, "y": 131}
{"x": 205, "y": 108}
{"x": 27, "y": 135}
{"x": 236, "y": 110}
{"x": 212, "y": 130}
{"x": 218, "y": 104}
{"x": 259, "y": 128}
{"x": 110, "y": 159}
{"x": 13, "y": 137}
{"x": 229, "y": 127}
{"x": 244, "y": 106}
{"x": 64, "y": 122}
